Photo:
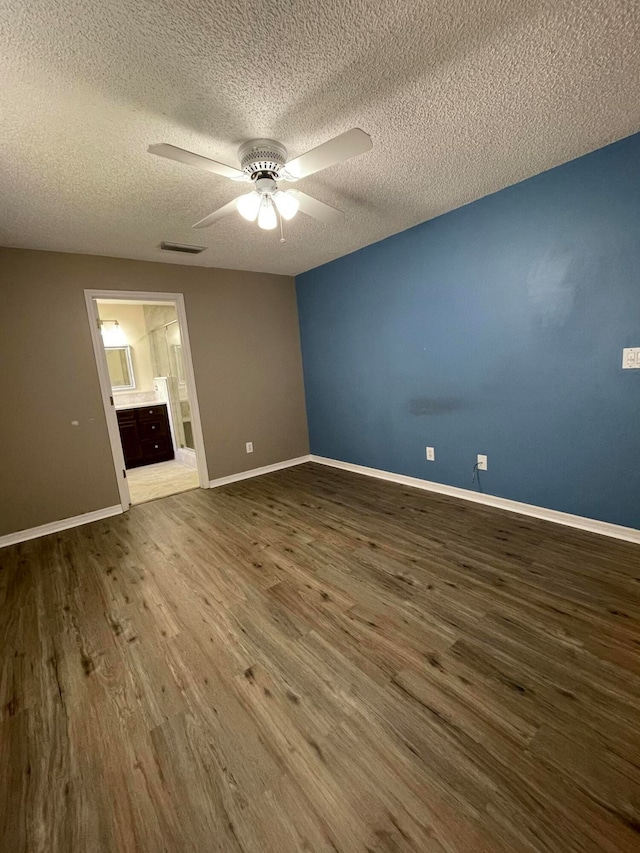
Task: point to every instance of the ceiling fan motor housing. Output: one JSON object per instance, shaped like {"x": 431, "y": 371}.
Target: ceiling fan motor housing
{"x": 262, "y": 158}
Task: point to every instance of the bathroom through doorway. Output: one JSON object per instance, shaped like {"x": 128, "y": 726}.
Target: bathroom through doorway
{"x": 146, "y": 376}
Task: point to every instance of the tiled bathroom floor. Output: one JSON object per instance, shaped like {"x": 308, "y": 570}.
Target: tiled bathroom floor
{"x": 157, "y": 481}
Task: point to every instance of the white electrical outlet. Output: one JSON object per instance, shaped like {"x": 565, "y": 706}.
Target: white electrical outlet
{"x": 631, "y": 358}
{"x": 431, "y": 454}
{"x": 249, "y": 446}
{"x": 482, "y": 462}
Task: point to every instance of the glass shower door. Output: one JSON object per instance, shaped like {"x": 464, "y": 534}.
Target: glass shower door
{"x": 167, "y": 358}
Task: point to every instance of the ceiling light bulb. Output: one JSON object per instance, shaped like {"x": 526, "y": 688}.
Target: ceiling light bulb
{"x": 287, "y": 204}
{"x": 248, "y": 205}
{"x": 113, "y": 334}
{"x": 119, "y": 335}
{"x": 267, "y": 218}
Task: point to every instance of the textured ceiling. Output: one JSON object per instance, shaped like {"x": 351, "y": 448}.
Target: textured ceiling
{"x": 460, "y": 97}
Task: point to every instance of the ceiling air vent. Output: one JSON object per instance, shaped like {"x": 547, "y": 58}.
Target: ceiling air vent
{"x": 185, "y": 248}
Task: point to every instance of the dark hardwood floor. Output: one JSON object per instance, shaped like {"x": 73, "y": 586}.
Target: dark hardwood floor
{"x": 318, "y": 661}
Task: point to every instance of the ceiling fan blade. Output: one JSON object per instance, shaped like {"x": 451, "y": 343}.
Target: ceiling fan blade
{"x": 336, "y": 150}
{"x": 220, "y": 213}
{"x": 191, "y": 159}
{"x": 317, "y": 209}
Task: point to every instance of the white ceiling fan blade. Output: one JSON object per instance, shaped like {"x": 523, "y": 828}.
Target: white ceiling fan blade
{"x": 336, "y": 150}
{"x": 191, "y": 159}
{"x": 317, "y": 209}
{"x": 220, "y": 213}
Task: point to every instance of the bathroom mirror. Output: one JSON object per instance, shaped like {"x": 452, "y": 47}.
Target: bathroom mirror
{"x": 120, "y": 368}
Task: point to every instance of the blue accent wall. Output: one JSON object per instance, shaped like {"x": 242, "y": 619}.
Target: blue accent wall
{"x": 497, "y": 328}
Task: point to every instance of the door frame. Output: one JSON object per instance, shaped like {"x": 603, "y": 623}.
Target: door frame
{"x": 177, "y": 299}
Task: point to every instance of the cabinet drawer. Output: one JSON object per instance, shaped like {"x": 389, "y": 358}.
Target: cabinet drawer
{"x": 126, "y": 416}
{"x": 145, "y": 412}
{"x": 152, "y": 428}
{"x": 157, "y": 447}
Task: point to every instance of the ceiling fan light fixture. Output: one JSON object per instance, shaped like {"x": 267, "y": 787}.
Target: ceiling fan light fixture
{"x": 267, "y": 218}
{"x": 249, "y": 205}
{"x": 287, "y": 204}
{"x": 264, "y": 162}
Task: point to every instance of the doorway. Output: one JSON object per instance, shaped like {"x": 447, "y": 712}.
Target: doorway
{"x": 143, "y": 355}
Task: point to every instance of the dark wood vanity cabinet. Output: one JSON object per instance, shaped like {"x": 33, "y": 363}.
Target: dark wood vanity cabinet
{"x": 128, "y": 426}
{"x": 145, "y": 435}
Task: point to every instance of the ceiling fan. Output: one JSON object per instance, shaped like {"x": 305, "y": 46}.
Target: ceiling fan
{"x": 263, "y": 162}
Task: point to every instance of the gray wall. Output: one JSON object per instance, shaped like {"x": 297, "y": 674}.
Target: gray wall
{"x": 246, "y": 356}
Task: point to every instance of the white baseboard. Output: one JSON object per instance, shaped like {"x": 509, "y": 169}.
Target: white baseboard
{"x": 186, "y": 456}
{"x": 604, "y": 528}
{"x": 57, "y": 526}
{"x": 628, "y": 534}
{"x": 256, "y": 472}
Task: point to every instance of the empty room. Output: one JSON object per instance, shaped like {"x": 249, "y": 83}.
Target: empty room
{"x": 320, "y": 472}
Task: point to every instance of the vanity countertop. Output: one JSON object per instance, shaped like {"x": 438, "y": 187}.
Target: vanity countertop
{"x": 119, "y": 407}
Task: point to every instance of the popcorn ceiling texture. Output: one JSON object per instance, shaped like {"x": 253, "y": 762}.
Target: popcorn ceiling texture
{"x": 461, "y": 98}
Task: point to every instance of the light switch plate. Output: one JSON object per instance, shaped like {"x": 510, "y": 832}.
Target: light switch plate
{"x": 631, "y": 358}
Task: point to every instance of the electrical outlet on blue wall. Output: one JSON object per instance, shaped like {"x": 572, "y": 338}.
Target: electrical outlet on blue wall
{"x": 496, "y": 326}
{"x": 631, "y": 358}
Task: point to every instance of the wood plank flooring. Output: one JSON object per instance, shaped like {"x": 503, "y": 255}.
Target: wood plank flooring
{"x": 318, "y": 661}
